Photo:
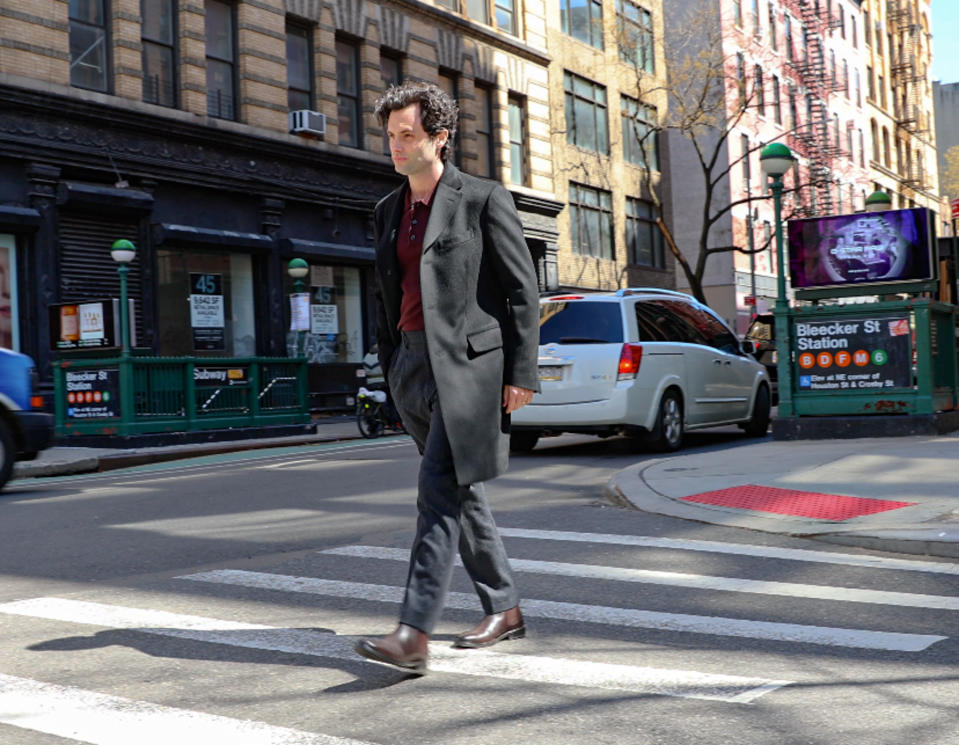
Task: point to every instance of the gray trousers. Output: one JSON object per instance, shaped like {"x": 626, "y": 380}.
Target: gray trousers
{"x": 450, "y": 515}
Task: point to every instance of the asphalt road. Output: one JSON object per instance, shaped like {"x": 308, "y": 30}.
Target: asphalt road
{"x": 217, "y": 600}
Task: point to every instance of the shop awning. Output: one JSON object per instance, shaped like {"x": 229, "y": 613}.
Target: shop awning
{"x": 188, "y": 235}
{"x": 341, "y": 252}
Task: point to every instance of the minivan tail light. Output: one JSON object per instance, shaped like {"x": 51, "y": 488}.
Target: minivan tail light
{"x": 629, "y": 359}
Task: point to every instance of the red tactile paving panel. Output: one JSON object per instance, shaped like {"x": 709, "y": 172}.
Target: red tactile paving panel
{"x": 795, "y": 503}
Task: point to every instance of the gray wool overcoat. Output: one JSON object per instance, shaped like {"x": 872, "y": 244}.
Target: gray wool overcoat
{"x": 480, "y": 308}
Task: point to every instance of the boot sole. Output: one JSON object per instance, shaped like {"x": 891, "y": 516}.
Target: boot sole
{"x": 519, "y": 633}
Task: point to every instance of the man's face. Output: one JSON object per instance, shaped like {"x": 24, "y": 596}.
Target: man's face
{"x": 414, "y": 152}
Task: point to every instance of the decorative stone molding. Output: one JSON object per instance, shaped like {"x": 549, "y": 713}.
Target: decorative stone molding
{"x": 350, "y": 16}
{"x": 449, "y": 49}
{"x": 305, "y": 8}
{"x": 394, "y": 29}
{"x": 484, "y": 64}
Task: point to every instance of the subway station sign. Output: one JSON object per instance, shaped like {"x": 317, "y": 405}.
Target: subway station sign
{"x": 853, "y": 354}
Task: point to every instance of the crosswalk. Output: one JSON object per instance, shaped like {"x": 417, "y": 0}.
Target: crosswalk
{"x": 90, "y": 716}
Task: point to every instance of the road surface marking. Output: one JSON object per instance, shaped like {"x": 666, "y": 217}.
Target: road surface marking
{"x": 99, "y": 719}
{"x": 741, "y": 549}
{"x": 550, "y": 670}
{"x": 626, "y": 617}
{"x": 693, "y": 581}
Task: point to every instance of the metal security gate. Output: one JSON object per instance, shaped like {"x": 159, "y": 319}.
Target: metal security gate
{"x": 87, "y": 271}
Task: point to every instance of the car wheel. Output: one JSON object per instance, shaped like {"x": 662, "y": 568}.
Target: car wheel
{"x": 523, "y": 442}
{"x": 7, "y": 454}
{"x": 667, "y": 434}
{"x": 758, "y": 424}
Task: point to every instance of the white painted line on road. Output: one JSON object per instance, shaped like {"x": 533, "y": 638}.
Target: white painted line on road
{"x": 550, "y": 670}
{"x": 692, "y": 581}
{"x": 626, "y": 617}
{"x": 99, "y": 719}
{"x": 740, "y": 549}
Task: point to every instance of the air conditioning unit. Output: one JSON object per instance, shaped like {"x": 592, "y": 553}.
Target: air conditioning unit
{"x": 306, "y": 122}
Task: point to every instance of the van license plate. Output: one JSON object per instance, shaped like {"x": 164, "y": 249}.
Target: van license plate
{"x": 550, "y": 372}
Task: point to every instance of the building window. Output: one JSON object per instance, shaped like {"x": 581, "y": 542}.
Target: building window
{"x": 773, "y": 41}
{"x": 738, "y": 12}
{"x": 777, "y": 102}
{"x": 640, "y": 146}
{"x": 449, "y": 81}
{"x": 158, "y": 32}
{"x": 845, "y": 79}
{"x": 485, "y": 140}
{"x": 874, "y": 131}
{"x": 348, "y": 92}
{"x": 587, "y": 122}
{"x": 747, "y": 170}
{"x": 754, "y": 15}
{"x": 842, "y": 21}
{"x": 885, "y": 148}
{"x": 793, "y": 111}
{"x": 299, "y": 67}
{"x": 88, "y": 45}
{"x": 862, "y": 149}
{"x": 504, "y": 13}
{"x": 833, "y": 80}
{"x": 882, "y": 92}
{"x": 518, "y": 142}
{"x": 636, "y": 35}
{"x": 866, "y": 29}
{"x": 220, "y": 57}
{"x": 591, "y": 221}
{"x": 858, "y": 89}
{"x": 870, "y": 85}
{"x": 498, "y": 13}
{"x": 854, "y": 32}
{"x": 391, "y": 73}
{"x": 9, "y": 326}
{"x": 338, "y": 290}
{"x": 644, "y": 239}
{"x": 878, "y": 39}
{"x": 788, "y": 34}
{"x": 760, "y": 90}
{"x": 850, "y": 149}
{"x": 583, "y": 20}
{"x": 741, "y": 78}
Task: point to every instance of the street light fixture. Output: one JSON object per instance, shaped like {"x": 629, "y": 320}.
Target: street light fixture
{"x": 878, "y": 201}
{"x": 123, "y": 252}
{"x": 297, "y": 269}
{"x": 775, "y": 160}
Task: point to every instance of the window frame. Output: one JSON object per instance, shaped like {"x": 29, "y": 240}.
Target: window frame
{"x": 105, "y": 40}
{"x": 487, "y": 117}
{"x": 303, "y": 30}
{"x": 171, "y": 46}
{"x": 232, "y": 62}
{"x": 594, "y": 24}
{"x": 636, "y": 222}
{"x": 640, "y": 29}
{"x": 352, "y": 98}
{"x": 397, "y": 58}
{"x": 637, "y": 113}
{"x": 578, "y": 209}
{"x": 517, "y": 102}
{"x": 599, "y": 109}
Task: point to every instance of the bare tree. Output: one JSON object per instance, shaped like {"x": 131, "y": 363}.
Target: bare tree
{"x": 709, "y": 99}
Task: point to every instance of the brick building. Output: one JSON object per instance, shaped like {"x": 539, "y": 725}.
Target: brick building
{"x": 167, "y": 122}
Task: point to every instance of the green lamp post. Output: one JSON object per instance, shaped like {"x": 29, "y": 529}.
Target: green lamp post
{"x": 298, "y": 269}
{"x": 776, "y": 159}
{"x": 123, "y": 252}
{"x": 878, "y": 201}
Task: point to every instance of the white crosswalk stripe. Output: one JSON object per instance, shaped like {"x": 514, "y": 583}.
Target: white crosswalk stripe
{"x": 527, "y": 668}
{"x": 100, "y": 719}
{"x": 625, "y": 617}
{"x": 692, "y": 581}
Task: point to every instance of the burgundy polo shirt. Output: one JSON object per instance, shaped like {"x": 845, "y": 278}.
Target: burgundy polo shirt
{"x": 409, "y": 249}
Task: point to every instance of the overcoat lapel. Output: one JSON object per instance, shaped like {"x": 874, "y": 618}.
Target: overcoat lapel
{"x": 445, "y": 202}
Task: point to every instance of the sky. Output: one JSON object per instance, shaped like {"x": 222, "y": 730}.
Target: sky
{"x": 945, "y": 32}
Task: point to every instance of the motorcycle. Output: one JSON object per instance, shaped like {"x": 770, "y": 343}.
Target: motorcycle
{"x": 375, "y": 413}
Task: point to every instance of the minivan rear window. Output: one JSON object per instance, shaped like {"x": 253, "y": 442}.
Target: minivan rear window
{"x": 580, "y": 322}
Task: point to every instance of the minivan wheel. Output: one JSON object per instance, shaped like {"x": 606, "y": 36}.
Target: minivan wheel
{"x": 667, "y": 435}
{"x": 523, "y": 441}
{"x": 758, "y": 424}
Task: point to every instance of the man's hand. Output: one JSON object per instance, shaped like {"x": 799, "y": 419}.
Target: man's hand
{"x": 515, "y": 397}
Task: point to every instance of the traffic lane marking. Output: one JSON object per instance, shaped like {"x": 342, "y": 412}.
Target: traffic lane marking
{"x": 101, "y": 719}
{"x": 625, "y": 617}
{"x": 691, "y": 581}
{"x": 531, "y": 669}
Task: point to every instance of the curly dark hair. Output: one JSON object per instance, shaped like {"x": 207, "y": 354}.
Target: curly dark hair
{"x": 438, "y": 109}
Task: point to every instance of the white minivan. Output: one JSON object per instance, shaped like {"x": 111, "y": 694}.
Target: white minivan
{"x": 647, "y": 363}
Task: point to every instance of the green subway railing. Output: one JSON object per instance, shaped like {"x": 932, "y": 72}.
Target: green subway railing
{"x": 138, "y": 395}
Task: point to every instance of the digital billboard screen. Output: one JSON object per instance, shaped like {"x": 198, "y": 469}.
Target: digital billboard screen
{"x": 861, "y": 249}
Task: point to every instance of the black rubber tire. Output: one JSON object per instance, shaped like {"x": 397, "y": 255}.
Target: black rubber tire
{"x": 369, "y": 422}
{"x": 523, "y": 442}
{"x": 8, "y": 454}
{"x": 758, "y": 424}
{"x": 667, "y": 434}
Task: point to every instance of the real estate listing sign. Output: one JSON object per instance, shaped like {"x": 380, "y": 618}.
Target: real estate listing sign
{"x": 854, "y": 354}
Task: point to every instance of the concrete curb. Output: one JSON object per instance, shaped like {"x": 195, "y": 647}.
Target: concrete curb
{"x": 939, "y": 536}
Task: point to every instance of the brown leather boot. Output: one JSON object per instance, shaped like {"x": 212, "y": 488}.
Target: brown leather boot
{"x": 405, "y": 648}
{"x": 495, "y": 628}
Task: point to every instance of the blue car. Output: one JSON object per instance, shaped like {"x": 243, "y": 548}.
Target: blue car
{"x": 24, "y": 429}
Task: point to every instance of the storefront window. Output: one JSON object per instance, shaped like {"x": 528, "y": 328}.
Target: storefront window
{"x": 336, "y": 316}
{"x": 9, "y": 331}
{"x": 205, "y": 303}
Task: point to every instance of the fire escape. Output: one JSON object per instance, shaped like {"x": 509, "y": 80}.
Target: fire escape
{"x": 907, "y": 77}
{"x": 814, "y": 139}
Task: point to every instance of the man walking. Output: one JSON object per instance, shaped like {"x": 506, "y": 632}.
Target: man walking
{"x": 458, "y": 320}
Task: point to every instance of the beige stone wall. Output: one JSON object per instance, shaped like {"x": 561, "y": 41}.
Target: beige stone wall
{"x": 34, "y": 40}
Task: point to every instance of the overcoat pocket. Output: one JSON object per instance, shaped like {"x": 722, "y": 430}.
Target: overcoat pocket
{"x": 485, "y": 340}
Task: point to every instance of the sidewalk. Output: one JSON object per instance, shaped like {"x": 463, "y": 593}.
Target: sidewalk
{"x": 920, "y": 470}
{"x": 805, "y": 486}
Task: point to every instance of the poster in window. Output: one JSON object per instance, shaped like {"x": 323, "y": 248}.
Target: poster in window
{"x": 207, "y": 317}
{"x": 324, "y": 319}
{"x": 8, "y": 286}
